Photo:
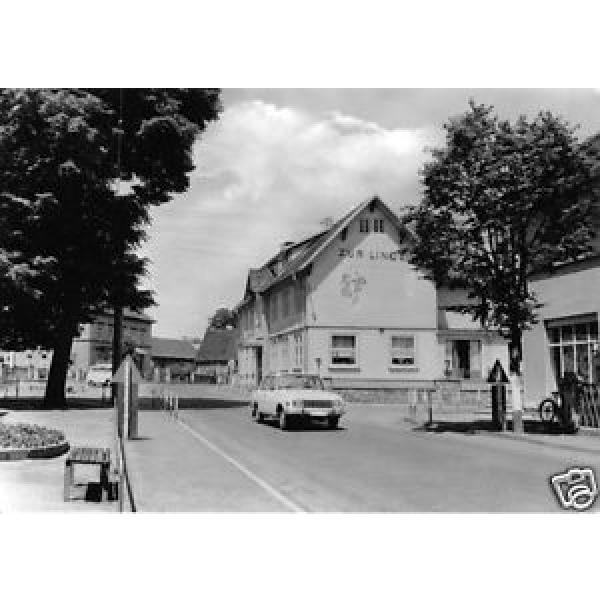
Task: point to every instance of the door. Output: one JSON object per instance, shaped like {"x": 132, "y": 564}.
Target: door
{"x": 259, "y": 364}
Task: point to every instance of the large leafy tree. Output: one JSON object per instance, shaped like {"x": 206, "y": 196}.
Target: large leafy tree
{"x": 68, "y": 234}
{"x": 504, "y": 201}
{"x": 223, "y": 318}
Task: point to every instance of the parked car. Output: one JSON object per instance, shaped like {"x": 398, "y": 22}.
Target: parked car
{"x": 99, "y": 375}
{"x": 293, "y": 399}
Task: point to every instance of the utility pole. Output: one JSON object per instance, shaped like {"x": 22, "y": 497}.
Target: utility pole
{"x": 117, "y": 341}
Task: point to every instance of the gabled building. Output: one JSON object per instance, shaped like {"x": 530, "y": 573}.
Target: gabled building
{"x": 345, "y": 304}
{"x": 217, "y": 355}
{"x": 172, "y": 359}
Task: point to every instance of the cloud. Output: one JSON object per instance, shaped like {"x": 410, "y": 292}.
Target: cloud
{"x": 267, "y": 174}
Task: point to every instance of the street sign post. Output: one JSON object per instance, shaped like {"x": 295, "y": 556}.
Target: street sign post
{"x": 127, "y": 379}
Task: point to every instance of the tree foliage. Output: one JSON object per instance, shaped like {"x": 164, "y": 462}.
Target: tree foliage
{"x": 68, "y": 236}
{"x": 223, "y": 318}
{"x": 503, "y": 201}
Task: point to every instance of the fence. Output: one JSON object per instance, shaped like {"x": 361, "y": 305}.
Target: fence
{"x": 589, "y": 405}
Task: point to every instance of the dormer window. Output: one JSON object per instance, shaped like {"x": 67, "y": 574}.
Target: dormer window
{"x": 378, "y": 225}
{"x": 364, "y": 225}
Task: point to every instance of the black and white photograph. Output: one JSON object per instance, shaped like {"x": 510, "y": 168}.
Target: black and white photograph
{"x": 238, "y": 301}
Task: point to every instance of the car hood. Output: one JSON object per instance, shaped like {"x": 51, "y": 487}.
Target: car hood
{"x": 305, "y": 394}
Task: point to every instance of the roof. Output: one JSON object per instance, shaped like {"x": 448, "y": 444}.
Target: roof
{"x": 296, "y": 257}
{"x": 173, "y": 348}
{"x": 218, "y": 345}
{"x": 131, "y": 314}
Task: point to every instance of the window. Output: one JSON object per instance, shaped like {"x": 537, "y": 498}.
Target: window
{"x": 273, "y": 303}
{"x": 298, "y": 299}
{"x": 571, "y": 346}
{"x": 285, "y": 353}
{"x": 343, "y": 350}
{"x": 378, "y": 225}
{"x": 285, "y": 304}
{"x": 402, "y": 351}
{"x": 298, "y": 350}
{"x": 364, "y": 225}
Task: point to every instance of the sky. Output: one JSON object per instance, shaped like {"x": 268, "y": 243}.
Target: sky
{"x": 279, "y": 161}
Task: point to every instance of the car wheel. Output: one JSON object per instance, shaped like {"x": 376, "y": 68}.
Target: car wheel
{"x": 333, "y": 422}
{"x": 283, "y": 420}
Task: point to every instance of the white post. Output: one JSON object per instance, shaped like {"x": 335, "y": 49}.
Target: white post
{"x": 517, "y": 403}
{"x": 126, "y": 396}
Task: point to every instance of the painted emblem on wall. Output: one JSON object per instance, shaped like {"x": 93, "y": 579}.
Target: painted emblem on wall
{"x": 352, "y": 285}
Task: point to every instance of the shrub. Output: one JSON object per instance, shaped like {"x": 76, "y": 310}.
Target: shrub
{"x": 23, "y": 435}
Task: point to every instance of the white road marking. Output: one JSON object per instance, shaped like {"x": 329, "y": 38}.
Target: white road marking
{"x": 252, "y": 476}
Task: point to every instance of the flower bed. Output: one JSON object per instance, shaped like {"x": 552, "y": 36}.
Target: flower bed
{"x": 21, "y": 440}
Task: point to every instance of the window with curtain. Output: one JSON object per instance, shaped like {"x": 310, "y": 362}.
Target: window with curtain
{"x": 402, "y": 351}
{"x": 343, "y": 350}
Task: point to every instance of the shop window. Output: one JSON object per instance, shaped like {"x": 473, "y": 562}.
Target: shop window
{"x": 402, "y": 351}
{"x": 463, "y": 359}
{"x": 571, "y": 345}
{"x": 343, "y": 350}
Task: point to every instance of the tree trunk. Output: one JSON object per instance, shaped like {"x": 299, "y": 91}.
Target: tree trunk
{"x": 515, "y": 347}
{"x": 55, "y": 387}
{"x": 117, "y": 346}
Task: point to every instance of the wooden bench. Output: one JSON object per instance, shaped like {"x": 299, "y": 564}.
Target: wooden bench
{"x": 87, "y": 456}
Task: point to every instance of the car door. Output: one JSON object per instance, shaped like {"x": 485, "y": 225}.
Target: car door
{"x": 262, "y": 392}
{"x": 269, "y": 396}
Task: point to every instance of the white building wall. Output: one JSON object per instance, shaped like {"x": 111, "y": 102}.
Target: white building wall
{"x": 373, "y": 355}
{"x": 363, "y": 281}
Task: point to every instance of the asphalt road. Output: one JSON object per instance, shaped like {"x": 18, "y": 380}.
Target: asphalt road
{"x": 375, "y": 462}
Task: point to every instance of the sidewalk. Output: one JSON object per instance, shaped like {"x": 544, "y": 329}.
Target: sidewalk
{"x": 37, "y": 484}
{"x": 172, "y": 471}
{"x": 586, "y": 440}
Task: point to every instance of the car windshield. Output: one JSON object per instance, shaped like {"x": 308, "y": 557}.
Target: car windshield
{"x": 293, "y": 382}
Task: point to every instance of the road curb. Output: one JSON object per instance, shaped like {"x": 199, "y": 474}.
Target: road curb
{"x": 41, "y": 452}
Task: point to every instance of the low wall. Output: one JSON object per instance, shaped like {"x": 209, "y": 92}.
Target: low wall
{"x": 193, "y": 390}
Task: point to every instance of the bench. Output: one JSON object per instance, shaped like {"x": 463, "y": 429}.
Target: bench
{"x": 87, "y": 456}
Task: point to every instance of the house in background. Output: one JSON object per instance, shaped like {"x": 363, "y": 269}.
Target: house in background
{"x": 216, "y": 356}
{"x": 31, "y": 365}
{"x": 94, "y": 343}
{"x": 172, "y": 359}
{"x": 345, "y": 304}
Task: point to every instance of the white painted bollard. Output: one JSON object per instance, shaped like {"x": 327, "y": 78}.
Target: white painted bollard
{"x": 517, "y": 403}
